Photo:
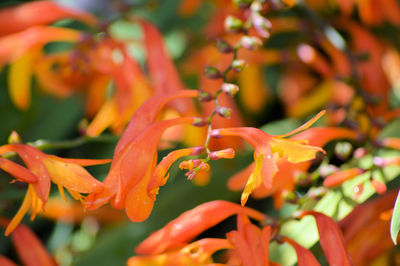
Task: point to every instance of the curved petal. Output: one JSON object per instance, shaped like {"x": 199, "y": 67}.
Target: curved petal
{"x": 191, "y": 223}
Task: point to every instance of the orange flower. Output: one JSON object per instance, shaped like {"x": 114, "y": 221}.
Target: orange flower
{"x": 196, "y": 253}
{"x": 138, "y": 148}
{"x": 268, "y": 149}
{"x": 66, "y": 173}
{"x": 251, "y": 244}
{"x": 21, "y": 17}
{"x": 128, "y": 188}
{"x": 191, "y": 223}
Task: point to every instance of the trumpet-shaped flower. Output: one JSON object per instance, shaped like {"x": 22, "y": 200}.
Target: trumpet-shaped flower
{"x": 285, "y": 179}
{"x": 45, "y": 168}
{"x": 137, "y": 148}
{"x": 268, "y": 149}
{"x": 128, "y": 187}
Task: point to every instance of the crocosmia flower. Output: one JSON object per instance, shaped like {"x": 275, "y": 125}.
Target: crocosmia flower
{"x": 67, "y": 173}
{"x": 268, "y": 149}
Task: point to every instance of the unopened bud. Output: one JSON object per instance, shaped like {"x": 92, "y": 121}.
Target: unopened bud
{"x": 326, "y": 170}
{"x": 197, "y": 150}
{"x": 360, "y": 152}
{"x": 230, "y": 88}
{"x": 339, "y": 178}
{"x": 199, "y": 122}
{"x": 215, "y": 133}
{"x": 379, "y": 186}
{"x": 190, "y": 175}
{"x": 222, "y": 154}
{"x": 250, "y": 42}
{"x": 205, "y": 96}
{"x": 224, "y": 111}
{"x": 190, "y": 164}
{"x": 233, "y": 24}
{"x": 205, "y": 167}
{"x": 14, "y": 138}
{"x": 238, "y": 65}
{"x": 223, "y": 46}
{"x": 212, "y": 72}
{"x": 261, "y": 24}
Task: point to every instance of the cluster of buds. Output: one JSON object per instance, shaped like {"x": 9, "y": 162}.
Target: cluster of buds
{"x": 193, "y": 166}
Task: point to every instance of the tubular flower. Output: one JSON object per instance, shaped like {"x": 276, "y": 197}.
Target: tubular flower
{"x": 129, "y": 189}
{"x": 137, "y": 148}
{"x": 268, "y": 149}
{"x": 66, "y": 173}
{"x": 285, "y": 179}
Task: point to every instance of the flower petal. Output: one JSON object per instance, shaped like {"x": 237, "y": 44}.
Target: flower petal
{"x": 191, "y": 223}
{"x": 14, "y": 19}
{"x": 18, "y": 171}
{"x": 15, "y": 45}
{"x": 71, "y": 175}
{"x": 304, "y": 256}
{"x": 331, "y": 239}
{"x": 30, "y": 249}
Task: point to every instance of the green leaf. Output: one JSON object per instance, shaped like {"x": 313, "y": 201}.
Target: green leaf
{"x": 395, "y": 222}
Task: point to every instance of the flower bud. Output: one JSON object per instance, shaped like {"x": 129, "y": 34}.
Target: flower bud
{"x": 238, "y": 65}
{"x": 190, "y": 175}
{"x": 261, "y": 24}
{"x": 379, "y": 186}
{"x": 205, "y": 96}
{"x": 230, "y": 88}
{"x": 360, "y": 153}
{"x": 212, "y": 72}
{"x": 215, "y": 134}
{"x": 199, "y": 122}
{"x": 14, "y": 138}
{"x": 223, "y": 46}
{"x": 224, "y": 111}
{"x": 326, "y": 170}
{"x": 233, "y": 24}
{"x": 190, "y": 164}
{"x": 198, "y": 150}
{"x": 339, "y": 178}
{"x": 226, "y": 154}
{"x": 250, "y": 42}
